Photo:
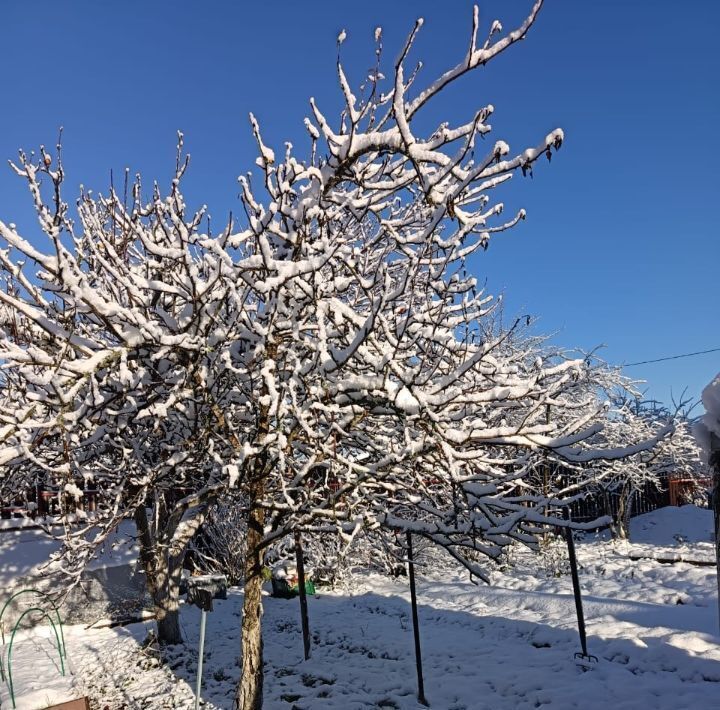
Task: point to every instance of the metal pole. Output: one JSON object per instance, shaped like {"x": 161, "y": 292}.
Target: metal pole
{"x": 203, "y": 615}
{"x": 303, "y": 595}
{"x": 576, "y": 588}
{"x": 416, "y": 625}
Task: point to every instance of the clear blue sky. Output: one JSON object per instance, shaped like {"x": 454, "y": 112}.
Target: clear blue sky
{"x": 621, "y": 243}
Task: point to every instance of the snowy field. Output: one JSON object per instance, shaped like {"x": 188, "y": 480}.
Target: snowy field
{"x": 652, "y": 625}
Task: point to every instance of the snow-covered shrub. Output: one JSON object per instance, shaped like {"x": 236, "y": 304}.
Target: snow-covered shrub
{"x": 220, "y": 547}
{"x": 553, "y": 557}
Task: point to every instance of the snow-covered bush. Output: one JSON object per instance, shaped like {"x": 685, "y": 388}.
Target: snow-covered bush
{"x": 220, "y": 546}
{"x": 553, "y": 556}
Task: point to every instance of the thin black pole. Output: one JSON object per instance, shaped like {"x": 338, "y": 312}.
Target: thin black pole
{"x": 576, "y": 587}
{"x": 303, "y": 595}
{"x": 416, "y": 625}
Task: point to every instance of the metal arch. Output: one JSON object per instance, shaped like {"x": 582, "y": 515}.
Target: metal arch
{"x": 12, "y": 639}
{"x": 46, "y": 597}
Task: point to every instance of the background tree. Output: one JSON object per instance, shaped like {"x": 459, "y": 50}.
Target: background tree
{"x": 674, "y": 454}
{"x": 104, "y": 351}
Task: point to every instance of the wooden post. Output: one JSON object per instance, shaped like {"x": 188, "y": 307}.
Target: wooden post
{"x": 416, "y": 625}
{"x": 303, "y": 595}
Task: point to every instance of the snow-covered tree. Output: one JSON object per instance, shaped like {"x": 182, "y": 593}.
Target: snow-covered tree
{"x": 674, "y": 453}
{"x": 104, "y": 365}
{"x": 325, "y": 360}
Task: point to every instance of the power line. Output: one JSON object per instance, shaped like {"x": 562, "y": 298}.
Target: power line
{"x": 671, "y": 357}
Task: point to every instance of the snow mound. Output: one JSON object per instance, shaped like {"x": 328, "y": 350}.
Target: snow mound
{"x": 673, "y": 526}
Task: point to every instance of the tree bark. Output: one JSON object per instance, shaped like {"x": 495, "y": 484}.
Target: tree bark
{"x": 146, "y": 547}
{"x": 167, "y": 600}
{"x": 621, "y": 521}
{"x": 249, "y": 695}
{"x": 624, "y": 512}
{"x": 619, "y": 531}
{"x": 162, "y": 579}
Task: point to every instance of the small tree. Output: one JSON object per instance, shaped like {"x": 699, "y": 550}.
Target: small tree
{"x": 674, "y": 452}
{"x": 104, "y": 352}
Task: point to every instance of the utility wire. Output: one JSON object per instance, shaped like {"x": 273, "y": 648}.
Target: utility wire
{"x": 671, "y": 357}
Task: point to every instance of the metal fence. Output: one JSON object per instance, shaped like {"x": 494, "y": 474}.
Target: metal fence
{"x": 603, "y": 502}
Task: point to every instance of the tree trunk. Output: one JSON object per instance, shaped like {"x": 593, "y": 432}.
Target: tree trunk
{"x": 619, "y": 532}
{"x": 626, "y": 514}
{"x": 162, "y": 579}
{"x": 146, "y": 548}
{"x": 622, "y": 520}
{"x": 616, "y": 515}
{"x": 249, "y": 694}
{"x": 167, "y": 600}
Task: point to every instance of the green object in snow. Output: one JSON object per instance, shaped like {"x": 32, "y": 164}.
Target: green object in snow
{"x": 281, "y": 588}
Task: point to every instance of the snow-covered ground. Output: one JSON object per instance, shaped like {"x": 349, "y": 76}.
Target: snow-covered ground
{"x": 652, "y": 625}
